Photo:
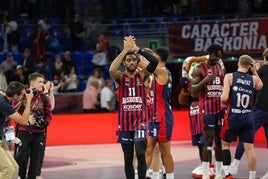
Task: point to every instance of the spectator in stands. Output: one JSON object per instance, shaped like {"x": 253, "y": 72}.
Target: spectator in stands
{"x": 90, "y": 98}
{"x": 77, "y": 32}
{"x": 57, "y": 69}
{"x": 27, "y": 63}
{"x": 70, "y": 81}
{"x": 100, "y": 59}
{"x": 41, "y": 65}
{"x": 107, "y": 96}
{"x": 68, "y": 62}
{"x": 12, "y": 35}
{"x": 9, "y": 66}
{"x": 97, "y": 76}
{"x": 19, "y": 75}
{"x": 41, "y": 38}
{"x": 3, "y": 81}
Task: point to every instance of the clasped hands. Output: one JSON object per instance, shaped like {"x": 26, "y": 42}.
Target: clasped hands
{"x": 130, "y": 44}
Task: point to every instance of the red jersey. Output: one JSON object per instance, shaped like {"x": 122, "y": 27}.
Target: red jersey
{"x": 196, "y": 120}
{"x": 132, "y": 103}
{"x": 210, "y": 95}
{"x": 151, "y": 107}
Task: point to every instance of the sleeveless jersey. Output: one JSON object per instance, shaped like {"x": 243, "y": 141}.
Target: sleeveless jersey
{"x": 241, "y": 93}
{"x": 132, "y": 103}
{"x": 196, "y": 118}
{"x": 163, "y": 110}
{"x": 150, "y": 99}
{"x": 261, "y": 101}
{"x": 210, "y": 95}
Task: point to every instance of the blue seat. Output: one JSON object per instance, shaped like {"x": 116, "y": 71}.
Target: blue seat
{"x": 82, "y": 85}
{"x": 78, "y": 57}
{"x": 18, "y": 57}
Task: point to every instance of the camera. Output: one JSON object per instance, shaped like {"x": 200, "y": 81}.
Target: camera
{"x": 55, "y": 82}
{"x": 39, "y": 118}
{"x": 34, "y": 91}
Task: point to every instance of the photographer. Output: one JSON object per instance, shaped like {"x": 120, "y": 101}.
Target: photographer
{"x": 15, "y": 92}
{"x": 33, "y": 135}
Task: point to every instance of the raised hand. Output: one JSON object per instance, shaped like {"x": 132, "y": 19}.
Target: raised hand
{"x": 129, "y": 42}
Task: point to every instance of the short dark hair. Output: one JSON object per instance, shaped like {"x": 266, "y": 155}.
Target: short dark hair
{"x": 132, "y": 53}
{"x": 34, "y": 76}
{"x": 14, "y": 88}
{"x": 214, "y": 48}
{"x": 163, "y": 53}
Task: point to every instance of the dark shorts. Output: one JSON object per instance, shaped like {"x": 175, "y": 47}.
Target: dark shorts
{"x": 214, "y": 121}
{"x": 153, "y": 129}
{"x": 131, "y": 137}
{"x": 261, "y": 120}
{"x": 239, "y": 125}
{"x": 198, "y": 139}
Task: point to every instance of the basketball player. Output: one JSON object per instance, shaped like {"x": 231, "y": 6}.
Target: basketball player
{"x": 239, "y": 92}
{"x": 132, "y": 116}
{"x": 207, "y": 83}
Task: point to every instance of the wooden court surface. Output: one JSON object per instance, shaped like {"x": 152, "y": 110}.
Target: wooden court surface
{"x": 105, "y": 161}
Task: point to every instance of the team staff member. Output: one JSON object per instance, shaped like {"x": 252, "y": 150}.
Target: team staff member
{"x": 132, "y": 119}
{"x": 239, "y": 92}
{"x": 207, "y": 83}
{"x": 15, "y": 92}
{"x": 33, "y": 135}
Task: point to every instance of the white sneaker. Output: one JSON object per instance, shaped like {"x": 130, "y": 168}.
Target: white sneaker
{"x": 233, "y": 170}
{"x": 197, "y": 172}
{"x": 265, "y": 176}
{"x": 218, "y": 177}
{"x": 205, "y": 177}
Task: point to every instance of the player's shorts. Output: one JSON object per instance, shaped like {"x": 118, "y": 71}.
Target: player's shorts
{"x": 214, "y": 121}
{"x": 153, "y": 129}
{"x": 239, "y": 125}
{"x": 131, "y": 137}
{"x": 198, "y": 139}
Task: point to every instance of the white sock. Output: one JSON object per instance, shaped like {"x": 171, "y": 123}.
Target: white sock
{"x": 226, "y": 169}
{"x": 205, "y": 167}
{"x": 155, "y": 175}
{"x": 163, "y": 168}
{"x": 252, "y": 174}
{"x": 147, "y": 173}
{"x": 235, "y": 163}
{"x": 218, "y": 167}
{"x": 170, "y": 176}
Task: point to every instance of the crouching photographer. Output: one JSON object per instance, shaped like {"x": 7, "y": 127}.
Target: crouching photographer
{"x": 32, "y": 135}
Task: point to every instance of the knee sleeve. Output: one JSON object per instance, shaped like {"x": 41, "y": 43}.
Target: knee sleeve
{"x": 226, "y": 157}
{"x": 140, "y": 149}
{"x": 128, "y": 154}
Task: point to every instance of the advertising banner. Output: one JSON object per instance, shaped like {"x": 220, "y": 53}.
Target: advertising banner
{"x": 239, "y": 36}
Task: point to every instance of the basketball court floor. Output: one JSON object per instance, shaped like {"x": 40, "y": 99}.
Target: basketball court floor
{"x": 105, "y": 161}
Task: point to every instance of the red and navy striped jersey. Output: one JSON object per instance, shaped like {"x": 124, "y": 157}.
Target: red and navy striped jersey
{"x": 212, "y": 91}
{"x": 195, "y": 117}
{"x": 150, "y": 99}
{"x": 163, "y": 110}
{"x": 132, "y": 103}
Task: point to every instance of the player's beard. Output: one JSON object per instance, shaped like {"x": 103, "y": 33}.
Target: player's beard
{"x": 131, "y": 70}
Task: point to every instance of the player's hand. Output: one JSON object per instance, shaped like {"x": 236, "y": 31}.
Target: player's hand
{"x": 210, "y": 78}
{"x": 129, "y": 42}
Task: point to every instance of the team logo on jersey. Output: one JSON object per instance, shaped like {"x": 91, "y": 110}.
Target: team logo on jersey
{"x": 235, "y": 88}
{"x": 138, "y": 82}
